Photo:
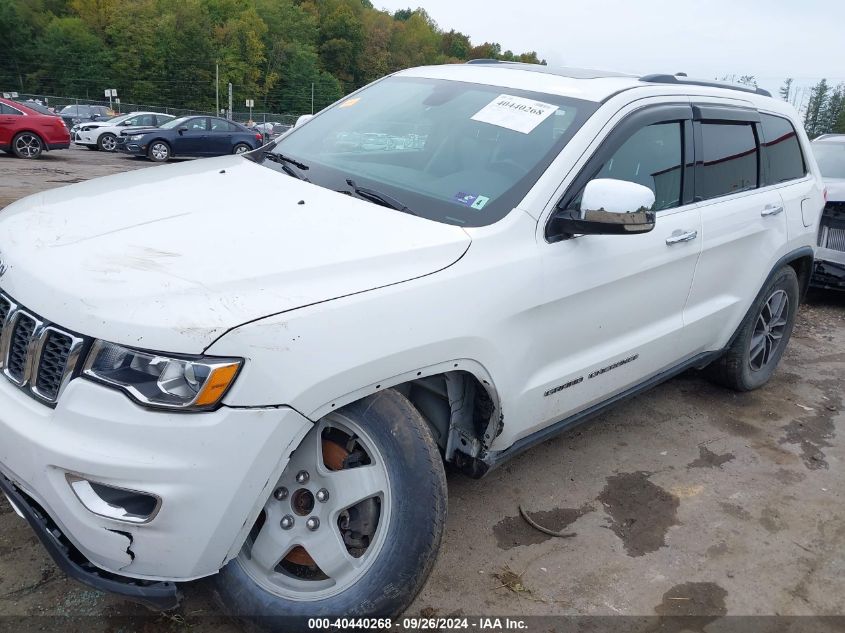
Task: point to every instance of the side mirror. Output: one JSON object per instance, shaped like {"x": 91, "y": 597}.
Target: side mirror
{"x": 182, "y": 129}
{"x": 608, "y": 207}
{"x": 303, "y": 119}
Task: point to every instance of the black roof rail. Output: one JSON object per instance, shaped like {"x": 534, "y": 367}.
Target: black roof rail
{"x": 680, "y": 79}
{"x": 485, "y": 61}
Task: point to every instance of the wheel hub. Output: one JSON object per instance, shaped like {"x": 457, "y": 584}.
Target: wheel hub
{"x": 302, "y": 502}
{"x": 326, "y": 517}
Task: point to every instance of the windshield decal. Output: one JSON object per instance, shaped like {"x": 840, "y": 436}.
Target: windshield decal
{"x": 471, "y": 200}
{"x": 515, "y": 113}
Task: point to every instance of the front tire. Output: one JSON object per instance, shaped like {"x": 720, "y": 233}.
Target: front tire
{"x": 107, "y": 142}
{"x": 27, "y": 145}
{"x": 357, "y": 534}
{"x": 159, "y": 152}
{"x": 761, "y": 341}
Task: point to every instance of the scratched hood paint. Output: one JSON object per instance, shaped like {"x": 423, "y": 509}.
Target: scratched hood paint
{"x": 169, "y": 258}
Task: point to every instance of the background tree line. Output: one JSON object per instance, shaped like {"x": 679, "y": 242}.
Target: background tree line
{"x": 165, "y": 51}
{"x": 825, "y": 111}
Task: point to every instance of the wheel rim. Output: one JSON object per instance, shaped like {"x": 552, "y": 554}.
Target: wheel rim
{"x": 159, "y": 151}
{"x": 241, "y": 149}
{"x": 28, "y": 145}
{"x": 318, "y": 533}
{"x": 768, "y": 330}
{"x": 108, "y": 142}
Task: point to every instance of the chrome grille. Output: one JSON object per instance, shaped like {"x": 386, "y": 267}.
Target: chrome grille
{"x": 52, "y": 364}
{"x": 22, "y": 334}
{"x": 5, "y": 307}
{"x": 38, "y": 357}
{"x": 833, "y": 238}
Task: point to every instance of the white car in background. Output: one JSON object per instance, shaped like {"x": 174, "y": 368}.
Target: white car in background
{"x": 103, "y": 135}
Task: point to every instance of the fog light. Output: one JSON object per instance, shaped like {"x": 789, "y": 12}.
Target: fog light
{"x": 120, "y": 504}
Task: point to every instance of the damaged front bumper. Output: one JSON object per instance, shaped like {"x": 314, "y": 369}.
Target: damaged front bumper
{"x": 162, "y": 596}
{"x": 210, "y": 472}
{"x": 829, "y": 270}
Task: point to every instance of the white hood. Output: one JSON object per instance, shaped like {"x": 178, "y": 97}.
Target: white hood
{"x": 169, "y": 258}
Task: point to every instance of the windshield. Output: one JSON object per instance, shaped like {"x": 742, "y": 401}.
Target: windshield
{"x": 455, "y": 152}
{"x": 831, "y": 159}
{"x": 120, "y": 118}
{"x": 174, "y": 123}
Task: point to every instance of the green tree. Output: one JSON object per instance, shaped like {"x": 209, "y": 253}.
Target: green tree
{"x": 341, "y": 42}
{"x": 72, "y": 59}
{"x": 786, "y": 89}
{"x": 16, "y": 33}
{"x": 833, "y": 112}
{"x": 815, "y": 115}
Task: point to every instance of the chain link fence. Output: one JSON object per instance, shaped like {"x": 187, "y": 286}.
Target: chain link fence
{"x": 57, "y": 103}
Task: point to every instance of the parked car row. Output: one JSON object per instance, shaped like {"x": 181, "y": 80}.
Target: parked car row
{"x": 103, "y": 134}
{"x": 27, "y": 129}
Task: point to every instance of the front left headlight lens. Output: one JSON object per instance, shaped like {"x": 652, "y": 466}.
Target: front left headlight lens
{"x": 136, "y": 137}
{"x": 162, "y": 381}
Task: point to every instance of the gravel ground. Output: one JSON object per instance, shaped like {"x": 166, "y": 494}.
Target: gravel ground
{"x": 687, "y": 500}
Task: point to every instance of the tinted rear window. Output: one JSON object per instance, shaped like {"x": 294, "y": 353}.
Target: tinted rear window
{"x": 37, "y": 107}
{"x": 730, "y": 159}
{"x": 783, "y": 150}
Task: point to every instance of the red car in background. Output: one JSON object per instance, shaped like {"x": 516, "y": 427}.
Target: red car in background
{"x": 28, "y": 129}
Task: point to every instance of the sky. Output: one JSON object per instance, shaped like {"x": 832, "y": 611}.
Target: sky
{"x": 774, "y": 39}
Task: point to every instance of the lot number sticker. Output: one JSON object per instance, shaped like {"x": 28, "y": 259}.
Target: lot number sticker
{"x": 515, "y": 113}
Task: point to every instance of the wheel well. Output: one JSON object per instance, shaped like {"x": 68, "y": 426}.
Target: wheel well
{"x": 461, "y": 411}
{"x": 803, "y": 267}
{"x": 33, "y": 132}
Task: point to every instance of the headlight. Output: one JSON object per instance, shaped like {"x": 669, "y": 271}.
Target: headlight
{"x": 166, "y": 382}
{"x": 136, "y": 137}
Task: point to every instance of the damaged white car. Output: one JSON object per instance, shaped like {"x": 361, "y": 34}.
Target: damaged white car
{"x": 255, "y": 366}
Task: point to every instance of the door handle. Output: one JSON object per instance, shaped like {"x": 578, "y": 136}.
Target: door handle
{"x": 771, "y": 209}
{"x": 681, "y": 236}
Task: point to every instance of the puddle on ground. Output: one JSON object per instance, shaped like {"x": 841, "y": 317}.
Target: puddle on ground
{"x": 771, "y": 520}
{"x": 735, "y": 511}
{"x": 641, "y": 512}
{"x": 709, "y": 459}
{"x": 513, "y": 531}
{"x": 812, "y": 434}
{"x": 691, "y": 606}
{"x": 789, "y": 477}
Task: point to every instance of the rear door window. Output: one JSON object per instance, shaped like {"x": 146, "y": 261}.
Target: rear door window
{"x": 729, "y": 160}
{"x": 5, "y": 109}
{"x": 783, "y": 150}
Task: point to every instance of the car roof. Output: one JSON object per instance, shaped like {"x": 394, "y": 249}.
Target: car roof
{"x": 587, "y": 84}
{"x": 20, "y": 105}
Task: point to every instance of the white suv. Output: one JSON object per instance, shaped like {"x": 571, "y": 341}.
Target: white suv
{"x": 333, "y": 321}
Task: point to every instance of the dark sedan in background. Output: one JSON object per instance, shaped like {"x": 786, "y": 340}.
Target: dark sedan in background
{"x": 190, "y": 136}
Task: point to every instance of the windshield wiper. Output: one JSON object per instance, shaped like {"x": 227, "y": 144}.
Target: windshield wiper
{"x": 284, "y": 161}
{"x": 379, "y": 198}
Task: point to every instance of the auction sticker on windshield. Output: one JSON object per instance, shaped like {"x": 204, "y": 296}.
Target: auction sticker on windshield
{"x": 515, "y": 113}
